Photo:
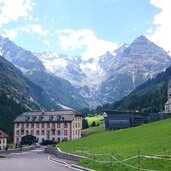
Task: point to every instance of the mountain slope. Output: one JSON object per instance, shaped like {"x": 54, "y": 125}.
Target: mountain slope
{"x": 56, "y": 88}
{"x": 59, "y": 89}
{"x": 18, "y": 56}
{"x": 148, "y": 97}
{"x": 112, "y": 76}
{"x": 131, "y": 67}
{"x": 21, "y": 89}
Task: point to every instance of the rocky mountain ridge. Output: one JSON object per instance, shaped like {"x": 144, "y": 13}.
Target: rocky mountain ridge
{"x": 96, "y": 80}
{"x": 112, "y": 75}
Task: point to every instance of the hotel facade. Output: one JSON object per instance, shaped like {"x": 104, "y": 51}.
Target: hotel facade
{"x": 57, "y": 126}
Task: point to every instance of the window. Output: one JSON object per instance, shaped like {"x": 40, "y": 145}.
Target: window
{"x": 37, "y": 132}
{"x": 65, "y": 125}
{"x": 3, "y": 141}
{"x": 32, "y": 125}
{"x": 58, "y": 125}
{"x": 17, "y": 125}
{"x": 37, "y": 125}
{"x": 27, "y": 132}
{"x": 0, "y": 141}
{"x": 48, "y": 125}
{"x": 53, "y": 125}
{"x": 76, "y": 125}
{"x": 17, "y": 133}
{"x": 22, "y": 132}
{"x": 43, "y": 125}
{"x": 32, "y": 132}
{"x": 65, "y": 132}
{"x": 27, "y": 125}
{"x": 58, "y": 132}
{"x": 53, "y": 132}
{"x": 48, "y": 132}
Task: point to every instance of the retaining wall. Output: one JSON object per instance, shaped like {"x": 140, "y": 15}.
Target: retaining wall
{"x": 59, "y": 154}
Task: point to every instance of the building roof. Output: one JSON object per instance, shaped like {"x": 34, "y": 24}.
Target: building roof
{"x": 113, "y": 112}
{"x": 47, "y": 116}
{"x": 3, "y": 134}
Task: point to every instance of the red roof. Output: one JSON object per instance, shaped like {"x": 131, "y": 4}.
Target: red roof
{"x": 3, "y": 134}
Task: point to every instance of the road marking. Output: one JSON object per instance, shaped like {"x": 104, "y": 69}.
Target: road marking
{"x": 63, "y": 164}
{"x": 22, "y": 153}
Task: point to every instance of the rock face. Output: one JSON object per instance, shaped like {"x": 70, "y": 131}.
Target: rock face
{"x": 58, "y": 89}
{"x": 99, "y": 80}
{"x": 132, "y": 66}
{"x": 20, "y": 57}
{"x": 113, "y": 75}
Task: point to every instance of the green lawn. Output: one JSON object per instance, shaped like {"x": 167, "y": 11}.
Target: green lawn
{"x": 150, "y": 139}
{"x": 92, "y": 130}
{"x": 98, "y": 119}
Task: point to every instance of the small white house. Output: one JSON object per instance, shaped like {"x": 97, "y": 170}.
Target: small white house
{"x": 3, "y": 140}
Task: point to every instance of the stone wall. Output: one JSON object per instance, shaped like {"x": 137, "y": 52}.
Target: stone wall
{"x": 15, "y": 150}
{"x": 63, "y": 155}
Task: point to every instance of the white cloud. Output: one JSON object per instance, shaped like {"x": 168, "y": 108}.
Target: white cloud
{"x": 84, "y": 39}
{"x": 161, "y": 35}
{"x": 11, "y": 34}
{"x": 12, "y": 10}
{"x": 34, "y": 28}
{"x": 46, "y": 42}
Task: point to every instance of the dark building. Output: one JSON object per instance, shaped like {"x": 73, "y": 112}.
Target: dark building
{"x": 120, "y": 120}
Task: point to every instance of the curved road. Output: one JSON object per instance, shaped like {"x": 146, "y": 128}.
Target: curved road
{"x": 31, "y": 161}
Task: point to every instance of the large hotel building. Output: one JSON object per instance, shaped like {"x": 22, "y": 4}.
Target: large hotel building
{"x": 57, "y": 125}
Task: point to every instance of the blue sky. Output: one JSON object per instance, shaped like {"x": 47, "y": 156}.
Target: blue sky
{"x": 83, "y": 27}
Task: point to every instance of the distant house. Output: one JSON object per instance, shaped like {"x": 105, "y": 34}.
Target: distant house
{"x": 168, "y": 103}
{"x": 40, "y": 126}
{"x": 120, "y": 120}
{"x": 3, "y": 140}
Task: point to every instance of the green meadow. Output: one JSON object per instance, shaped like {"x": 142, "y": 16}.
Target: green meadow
{"x": 106, "y": 150}
{"x": 98, "y": 119}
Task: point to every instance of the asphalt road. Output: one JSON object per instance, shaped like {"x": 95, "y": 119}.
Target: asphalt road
{"x": 31, "y": 161}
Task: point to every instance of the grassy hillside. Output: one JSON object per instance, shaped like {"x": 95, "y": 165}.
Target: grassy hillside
{"x": 98, "y": 119}
{"x": 93, "y": 130}
{"x": 151, "y": 139}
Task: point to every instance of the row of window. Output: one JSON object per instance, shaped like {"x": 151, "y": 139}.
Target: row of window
{"x": 42, "y": 132}
{"x": 42, "y": 125}
{"x": 2, "y": 141}
{"x": 48, "y": 132}
{"x": 76, "y": 125}
{"x": 46, "y": 125}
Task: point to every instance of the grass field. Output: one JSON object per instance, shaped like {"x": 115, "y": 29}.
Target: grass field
{"x": 151, "y": 139}
{"x": 98, "y": 119}
{"x": 93, "y": 130}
